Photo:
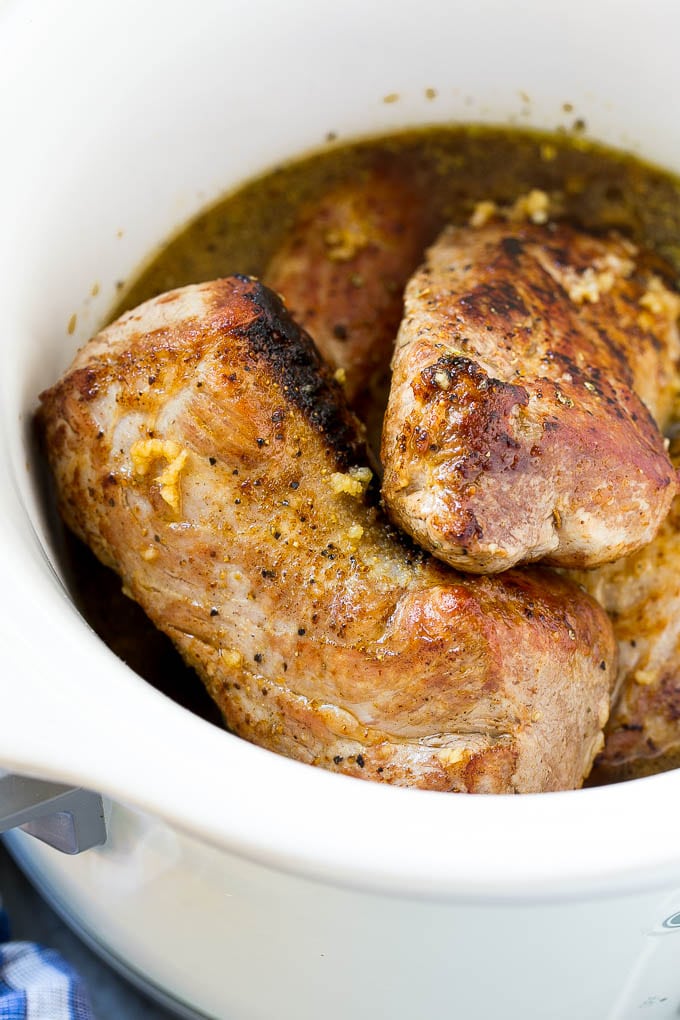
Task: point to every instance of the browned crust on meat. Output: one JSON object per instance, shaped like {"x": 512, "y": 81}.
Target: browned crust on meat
{"x": 295, "y": 363}
{"x": 642, "y": 595}
{"x": 516, "y": 428}
{"x": 316, "y": 631}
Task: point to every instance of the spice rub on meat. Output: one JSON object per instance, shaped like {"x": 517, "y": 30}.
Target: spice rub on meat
{"x": 205, "y": 453}
{"x": 641, "y": 593}
{"x": 530, "y": 367}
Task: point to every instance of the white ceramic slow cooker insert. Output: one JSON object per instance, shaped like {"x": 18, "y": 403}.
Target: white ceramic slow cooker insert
{"x": 235, "y": 882}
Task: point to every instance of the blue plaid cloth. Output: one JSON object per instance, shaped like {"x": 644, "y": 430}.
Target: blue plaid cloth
{"x": 37, "y": 984}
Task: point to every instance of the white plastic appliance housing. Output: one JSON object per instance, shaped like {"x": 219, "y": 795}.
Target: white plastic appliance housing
{"x": 239, "y": 885}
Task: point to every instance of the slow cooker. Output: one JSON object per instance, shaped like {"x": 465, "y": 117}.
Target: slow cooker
{"x": 233, "y": 883}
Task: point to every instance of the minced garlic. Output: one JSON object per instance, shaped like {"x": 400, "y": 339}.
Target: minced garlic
{"x": 143, "y": 454}
{"x": 586, "y": 286}
{"x": 343, "y": 244}
{"x": 659, "y": 300}
{"x": 340, "y": 376}
{"x": 169, "y": 480}
{"x": 598, "y": 279}
{"x": 353, "y": 483}
{"x": 618, "y": 265}
{"x": 483, "y": 213}
{"x": 534, "y": 206}
{"x": 451, "y": 755}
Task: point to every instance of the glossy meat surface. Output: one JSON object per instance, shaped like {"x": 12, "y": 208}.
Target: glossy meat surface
{"x": 642, "y": 596}
{"x": 530, "y": 367}
{"x": 202, "y": 449}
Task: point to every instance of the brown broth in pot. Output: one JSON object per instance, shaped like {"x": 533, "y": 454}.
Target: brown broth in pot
{"x": 451, "y": 169}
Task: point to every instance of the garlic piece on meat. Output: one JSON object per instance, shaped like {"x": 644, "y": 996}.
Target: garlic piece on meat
{"x": 146, "y": 451}
{"x": 354, "y": 482}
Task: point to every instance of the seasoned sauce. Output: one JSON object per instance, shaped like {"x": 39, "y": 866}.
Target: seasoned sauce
{"x": 451, "y": 169}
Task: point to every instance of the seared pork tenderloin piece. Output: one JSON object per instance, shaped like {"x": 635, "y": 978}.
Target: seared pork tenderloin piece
{"x": 342, "y": 272}
{"x": 530, "y": 366}
{"x": 204, "y": 451}
{"x": 642, "y": 595}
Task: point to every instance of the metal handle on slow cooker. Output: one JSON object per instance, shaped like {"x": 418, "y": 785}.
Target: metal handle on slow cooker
{"x": 65, "y": 817}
